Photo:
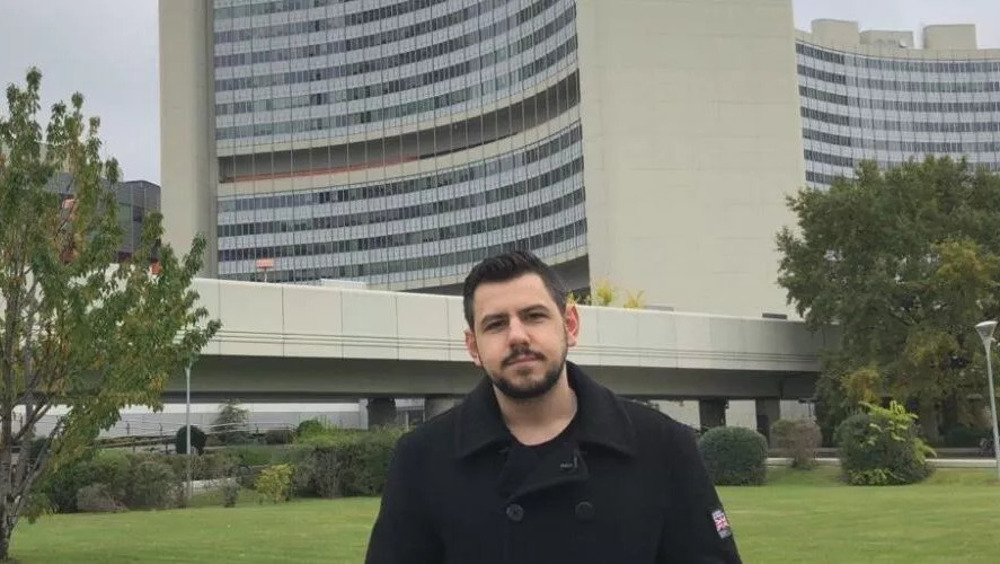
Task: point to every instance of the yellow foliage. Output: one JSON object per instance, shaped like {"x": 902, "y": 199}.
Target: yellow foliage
{"x": 863, "y": 385}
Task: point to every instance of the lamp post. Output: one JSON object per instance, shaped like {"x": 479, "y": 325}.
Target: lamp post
{"x": 187, "y": 425}
{"x": 985, "y": 330}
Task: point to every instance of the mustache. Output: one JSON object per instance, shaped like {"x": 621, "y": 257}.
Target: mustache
{"x": 520, "y": 353}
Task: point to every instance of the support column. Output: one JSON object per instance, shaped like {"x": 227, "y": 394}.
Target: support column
{"x": 381, "y": 412}
{"x": 768, "y": 411}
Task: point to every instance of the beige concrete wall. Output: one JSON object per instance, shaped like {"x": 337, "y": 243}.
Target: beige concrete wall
{"x": 188, "y": 167}
{"x": 692, "y": 140}
{"x": 329, "y": 322}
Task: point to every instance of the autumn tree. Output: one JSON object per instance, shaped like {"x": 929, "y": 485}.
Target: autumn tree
{"x": 905, "y": 261}
{"x": 77, "y": 328}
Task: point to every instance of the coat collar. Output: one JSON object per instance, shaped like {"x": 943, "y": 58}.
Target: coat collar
{"x": 601, "y": 419}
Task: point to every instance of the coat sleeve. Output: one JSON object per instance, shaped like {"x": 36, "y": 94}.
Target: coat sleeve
{"x": 403, "y": 531}
{"x": 697, "y": 529}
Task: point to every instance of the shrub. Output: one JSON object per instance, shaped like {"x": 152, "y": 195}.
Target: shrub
{"x": 153, "y": 484}
{"x": 210, "y": 466}
{"x": 310, "y": 426}
{"x": 355, "y": 464}
{"x": 734, "y": 456}
{"x": 797, "y": 440}
{"x": 882, "y": 447}
{"x": 198, "y": 440}
{"x": 230, "y": 493}
{"x": 96, "y": 498}
{"x": 61, "y": 486}
{"x": 275, "y": 482}
{"x": 278, "y": 437}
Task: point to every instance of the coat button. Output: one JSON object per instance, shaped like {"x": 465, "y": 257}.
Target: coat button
{"x": 585, "y": 511}
{"x": 515, "y": 512}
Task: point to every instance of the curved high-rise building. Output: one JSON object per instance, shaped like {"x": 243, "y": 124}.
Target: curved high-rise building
{"x": 873, "y": 96}
{"x": 396, "y": 141}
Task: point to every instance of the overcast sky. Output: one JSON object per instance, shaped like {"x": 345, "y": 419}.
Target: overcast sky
{"x": 107, "y": 49}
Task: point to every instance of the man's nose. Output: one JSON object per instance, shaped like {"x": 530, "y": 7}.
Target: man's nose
{"x": 517, "y": 333}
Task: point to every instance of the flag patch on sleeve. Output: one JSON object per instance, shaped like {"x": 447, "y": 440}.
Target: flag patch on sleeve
{"x": 721, "y": 524}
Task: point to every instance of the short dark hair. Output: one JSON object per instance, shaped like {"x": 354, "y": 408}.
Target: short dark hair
{"x": 508, "y": 266}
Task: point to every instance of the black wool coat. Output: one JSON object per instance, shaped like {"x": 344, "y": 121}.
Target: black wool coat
{"x": 628, "y": 486}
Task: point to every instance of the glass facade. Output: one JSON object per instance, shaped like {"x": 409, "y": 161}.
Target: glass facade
{"x": 395, "y": 142}
{"x": 858, "y": 107}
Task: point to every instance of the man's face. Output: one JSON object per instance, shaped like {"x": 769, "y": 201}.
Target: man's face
{"x": 519, "y": 337}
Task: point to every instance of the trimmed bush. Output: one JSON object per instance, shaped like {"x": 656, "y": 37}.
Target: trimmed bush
{"x": 734, "y": 456}
{"x": 798, "y": 440}
{"x": 309, "y": 427}
{"x": 355, "y": 464}
{"x": 198, "y": 440}
{"x": 275, "y": 482}
{"x": 96, "y": 498}
{"x": 882, "y": 447}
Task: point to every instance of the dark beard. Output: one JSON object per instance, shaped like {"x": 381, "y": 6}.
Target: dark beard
{"x": 535, "y": 390}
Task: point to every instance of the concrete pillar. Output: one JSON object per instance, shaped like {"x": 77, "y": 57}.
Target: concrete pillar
{"x": 742, "y": 413}
{"x": 436, "y": 405}
{"x": 711, "y": 413}
{"x": 683, "y": 411}
{"x": 768, "y": 411}
{"x": 188, "y": 164}
{"x": 381, "y": 412}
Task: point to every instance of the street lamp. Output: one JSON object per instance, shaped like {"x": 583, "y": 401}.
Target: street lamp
{"x": 187, "y": 425}
{"x": 985, "y": 330}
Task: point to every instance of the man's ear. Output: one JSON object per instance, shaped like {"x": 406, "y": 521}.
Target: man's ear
{"x": 571, "y": 319}
{"x": 472, "y": 347}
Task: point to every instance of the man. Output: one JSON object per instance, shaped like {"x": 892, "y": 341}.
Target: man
{"x": 540, "y": 463}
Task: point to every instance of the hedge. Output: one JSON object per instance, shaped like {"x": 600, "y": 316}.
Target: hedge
{"x": 734, "y": 456}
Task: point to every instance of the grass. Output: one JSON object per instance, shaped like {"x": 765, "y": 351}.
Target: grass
{"x": 798, "y": 517}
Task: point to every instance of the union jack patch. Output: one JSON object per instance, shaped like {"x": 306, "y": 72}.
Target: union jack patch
{"x": 721, "y": 524}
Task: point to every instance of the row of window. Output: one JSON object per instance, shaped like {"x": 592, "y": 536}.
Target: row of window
{"x": 491, "y": 167}
{"x": 432, "y": 235}
{"x": 902, "y": 146}
{"x": 815, "y": 177}
{"x": 428, "y": 209}
{"x": 371, "y": 268}
{"x": 821, "y": 178}
{"x": 392, "y": 112}
{"x": 892, "y": 125}
{"x": 399, "y": 85}
{"x": 902, "y": 65}
{"x": 276, "y": 7}
{"x": 357, "y": 43}
{"x": 357, "y": 18}
{"x": 331, "y": 23}
{"x": 899, "y": 105}
{"x": 900, "y": 85}
{"x": 370, "y": 65}
{"x": 825, "y": 158}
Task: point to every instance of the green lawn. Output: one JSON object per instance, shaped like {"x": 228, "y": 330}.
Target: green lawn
{"x": 800, "y": 517}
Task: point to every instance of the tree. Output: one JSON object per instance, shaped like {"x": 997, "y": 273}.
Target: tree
{"x": 232, "y": 424}
{"x": 77, "y": 328}
{"x": 905, "y": 261}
